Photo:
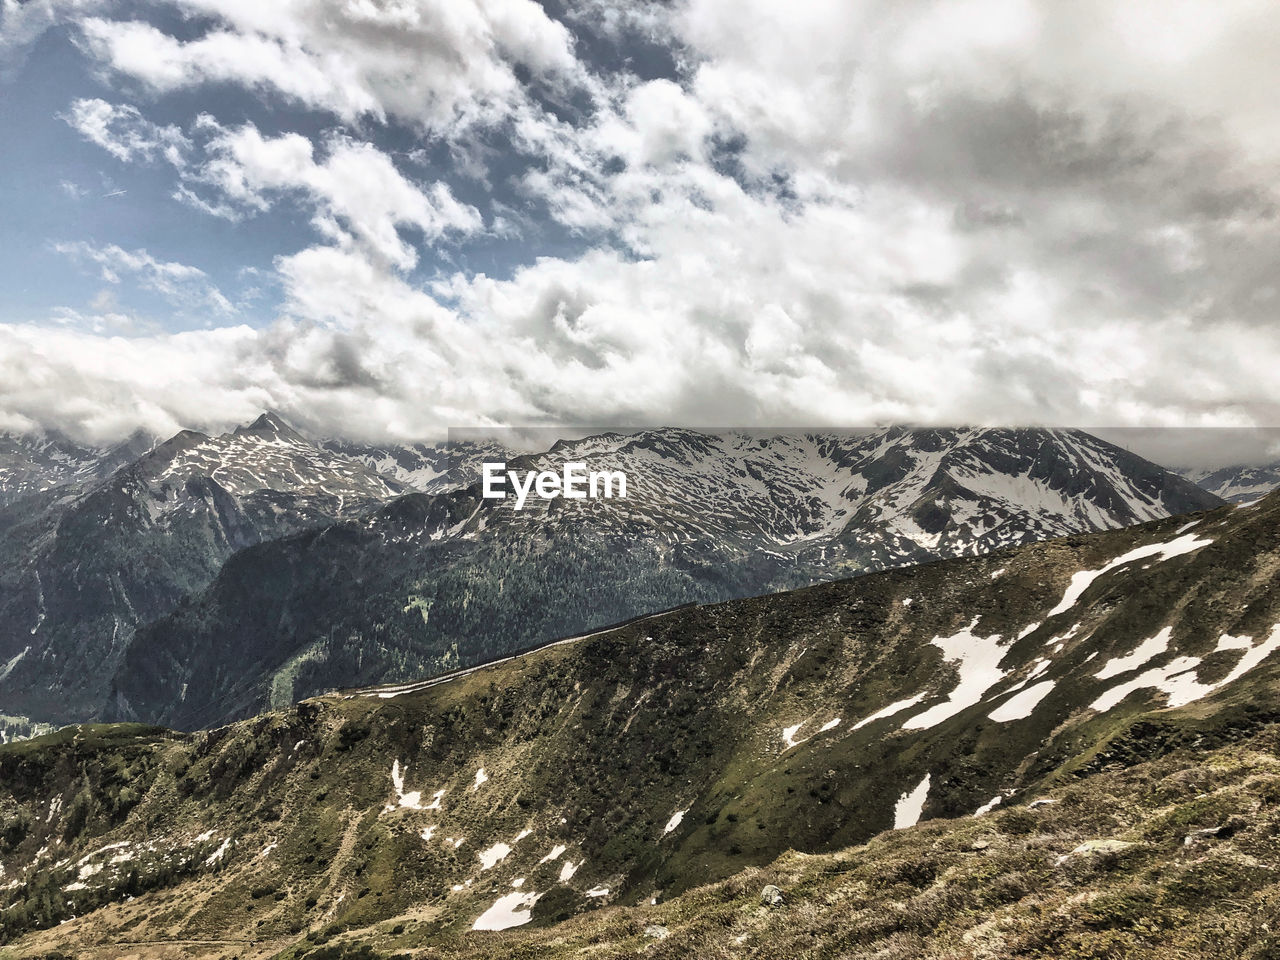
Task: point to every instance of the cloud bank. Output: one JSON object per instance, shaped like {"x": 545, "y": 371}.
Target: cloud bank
{"x": 833, "y": 213}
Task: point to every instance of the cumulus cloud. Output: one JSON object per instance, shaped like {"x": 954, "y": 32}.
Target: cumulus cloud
{"x": 357, "y": 193}
{"x": 364, "y": 352}
{"x": 23, "y": 22}
{"x": 356, "y": 190}
{"x": 439, "y": 64}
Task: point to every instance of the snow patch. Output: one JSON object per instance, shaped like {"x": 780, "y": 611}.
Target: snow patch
{"x": 1020, "y": 705}
{"x": 888, "y": 711}
{"x": 218, "y": 854}
{"x": 674, "y": 822}
{"x": 977, "y": 659}
{"x": 1060, "y": 640}
{"x": 493, "y": 855}
{"x": 569, "y": 869}
{"x": 555, "y": 853}
{"x": 906, "y": 813}
{"x": 512, "y": 910}
{"x": 789, "y": 736}
{"x": 829, "y": 725}
{"x": 17, "y": 658}
{"x": 1147, "y": 650}
{"x": 1161, "y": 551}
{"x": 1177, "y": 679}
{"x": 412, "y": 799}
{"x": 499, "y": 851}
{"x": 989, "y": 805}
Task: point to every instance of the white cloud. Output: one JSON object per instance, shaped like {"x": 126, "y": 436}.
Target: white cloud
{"x": 122, "y": 131}
{"x": 659, "y": 122}
{"x": 22, "y": 22}
{"x": 439, "y": 64}
{"x": 356, "y": 191}
{"x": 836, "y": 212}
{"x": 365, "y": 352}
{"x": 184, "y": 286}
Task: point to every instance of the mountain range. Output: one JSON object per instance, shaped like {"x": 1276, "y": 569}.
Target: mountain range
{"x": 428, "y": 583}
{"x": 1238, "y": 484}
{"x": 37, "y": 464}
{"x": 1060, "y": 748}
{"x": 210, "y": 577}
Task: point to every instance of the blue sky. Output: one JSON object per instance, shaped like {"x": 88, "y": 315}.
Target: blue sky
{"x": 388, "y": 217}
{"x": 77, "y": 192}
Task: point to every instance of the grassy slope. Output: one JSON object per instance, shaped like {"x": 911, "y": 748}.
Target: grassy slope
{"x": 1007, "y": 884}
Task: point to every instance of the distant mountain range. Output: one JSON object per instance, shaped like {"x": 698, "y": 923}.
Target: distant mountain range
{"x": 430, "y": 583}
{"x": 209, "y": 577}
{"x": 425, "y": 467}
{"x": 34, "y": 465}
{"x": 1240, "y": 484}
{"x": 1070, "y": 741}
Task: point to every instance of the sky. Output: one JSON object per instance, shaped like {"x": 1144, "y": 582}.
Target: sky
{"x": 385, "y": 218}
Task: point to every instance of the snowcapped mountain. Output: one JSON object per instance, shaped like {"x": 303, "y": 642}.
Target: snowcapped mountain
{"x": 1039, "y": 720}
{"x": 38, "y": 464}
{"x": 425, "y": 467}
{"x": 1240, "y": 484}
{"x": 429, "y": 583}
{"x": 92, "y": 558}
{"x": 264, "y": 458}
{"x": 879, "y": 498}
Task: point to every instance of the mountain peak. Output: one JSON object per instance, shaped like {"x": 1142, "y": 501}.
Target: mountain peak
{"x": 270, "y": 424}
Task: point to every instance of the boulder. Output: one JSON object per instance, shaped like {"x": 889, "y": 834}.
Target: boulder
{"x": 771, "y": 896}
{"x": 1091, "y": 847}
{"x": 1209, "y": 833}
